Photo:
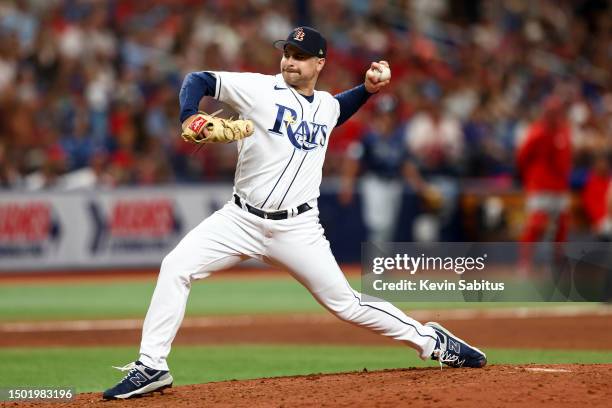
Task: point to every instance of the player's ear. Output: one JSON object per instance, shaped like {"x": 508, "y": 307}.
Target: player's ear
{"x": 320, "y": 64}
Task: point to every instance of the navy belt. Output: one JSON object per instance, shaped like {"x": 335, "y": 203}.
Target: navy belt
{"x": 272, "y": 215}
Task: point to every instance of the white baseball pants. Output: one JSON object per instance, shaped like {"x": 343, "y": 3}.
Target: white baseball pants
{"x": 296, "y": 244}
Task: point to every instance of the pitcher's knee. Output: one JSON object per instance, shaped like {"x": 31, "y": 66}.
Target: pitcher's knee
{"x": 173, "y": 266}
{"x": 345, "y": 306}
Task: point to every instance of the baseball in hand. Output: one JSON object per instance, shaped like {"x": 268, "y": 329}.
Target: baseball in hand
{"x": 382, "y": 74}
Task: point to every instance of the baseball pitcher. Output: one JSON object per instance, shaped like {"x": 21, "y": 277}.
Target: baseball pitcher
{"x": 282, "y": 135}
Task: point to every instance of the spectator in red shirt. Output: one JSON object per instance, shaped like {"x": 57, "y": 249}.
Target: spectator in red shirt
{"x": 545, "y": 158}
{"x": 544, "y": 162}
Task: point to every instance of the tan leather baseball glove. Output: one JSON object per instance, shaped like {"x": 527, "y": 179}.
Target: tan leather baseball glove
{"x": 218, "y": 130}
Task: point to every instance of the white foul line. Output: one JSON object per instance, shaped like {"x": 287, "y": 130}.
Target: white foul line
{"x": 246, "y": 320}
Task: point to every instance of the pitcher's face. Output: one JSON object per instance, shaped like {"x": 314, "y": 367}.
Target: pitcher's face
{"x": 299, "y": 68}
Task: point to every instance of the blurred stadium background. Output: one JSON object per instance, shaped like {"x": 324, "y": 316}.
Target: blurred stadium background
{"x": 88, "y": 105}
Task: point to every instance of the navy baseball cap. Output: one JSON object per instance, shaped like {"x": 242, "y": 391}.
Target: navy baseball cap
{"x": 306, "y": 39}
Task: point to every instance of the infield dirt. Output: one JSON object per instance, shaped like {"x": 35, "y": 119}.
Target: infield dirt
{"x": 545, "y": 331}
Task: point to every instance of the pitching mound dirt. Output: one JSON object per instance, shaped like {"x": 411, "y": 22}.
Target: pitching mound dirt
{"x": 494, "y": 386}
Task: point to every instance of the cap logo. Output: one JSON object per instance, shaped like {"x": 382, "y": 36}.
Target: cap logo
{"x": 298, "y": 34}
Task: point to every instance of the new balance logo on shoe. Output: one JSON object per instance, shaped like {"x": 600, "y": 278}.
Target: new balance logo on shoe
{"x": 140, "y": 379}
{"x": 454, "y": 346}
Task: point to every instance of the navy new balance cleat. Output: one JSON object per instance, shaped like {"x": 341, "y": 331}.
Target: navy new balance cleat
{"x": 140, "y": 380}
{"x": 453, "y": 351}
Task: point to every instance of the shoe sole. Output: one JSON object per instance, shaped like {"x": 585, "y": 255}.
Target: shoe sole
{"x": 438, "y": 326}
{"x": 153, "y": 387}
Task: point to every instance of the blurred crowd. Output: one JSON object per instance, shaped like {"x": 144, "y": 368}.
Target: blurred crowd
{"x": 89, "y": 89}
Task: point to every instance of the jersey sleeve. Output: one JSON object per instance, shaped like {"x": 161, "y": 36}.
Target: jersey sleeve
{"x": 239, "y": 89}
{"x": 350, "y": 101}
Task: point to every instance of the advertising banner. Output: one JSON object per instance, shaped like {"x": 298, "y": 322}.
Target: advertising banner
{"x": 100, "y": 229}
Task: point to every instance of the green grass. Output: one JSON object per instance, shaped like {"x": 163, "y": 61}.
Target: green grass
{"x": 89, "y": 369}
{"x": 131, "y": 299}
{"x": 109, "y": 300}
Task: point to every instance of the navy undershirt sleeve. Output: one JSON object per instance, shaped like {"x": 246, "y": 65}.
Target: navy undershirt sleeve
{"x": 195, "y": 86}
{"x": 351, "y": 101}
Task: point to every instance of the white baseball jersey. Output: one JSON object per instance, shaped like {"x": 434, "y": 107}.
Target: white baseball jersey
{"x": 280, "y": 165}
